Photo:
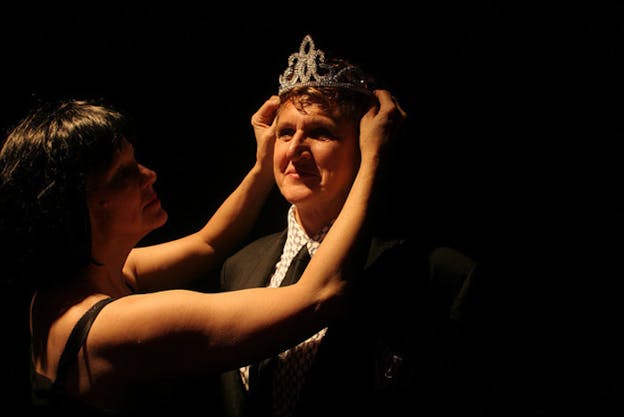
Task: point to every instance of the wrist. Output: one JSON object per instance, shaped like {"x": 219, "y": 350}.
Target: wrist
{"x": 263, "y": 171}
{"x": 370, "y": 160}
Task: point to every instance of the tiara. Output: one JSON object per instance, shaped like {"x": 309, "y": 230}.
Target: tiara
{"x": 308, "y": 68}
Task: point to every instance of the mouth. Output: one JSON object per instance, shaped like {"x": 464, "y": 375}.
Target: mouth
{"x": 302, "y": 170}
{"x": 152, "y": 200}
{"x": 301, "y": 174}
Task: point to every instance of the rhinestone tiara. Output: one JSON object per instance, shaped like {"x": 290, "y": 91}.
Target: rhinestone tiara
{"x": 308, "y": 67}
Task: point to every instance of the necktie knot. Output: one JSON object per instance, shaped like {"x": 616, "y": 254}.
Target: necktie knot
{"x": 297, "y": 266}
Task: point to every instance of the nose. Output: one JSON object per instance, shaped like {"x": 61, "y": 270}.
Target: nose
{"x": 148, "y": 176}
{"x": 298, "y": 147}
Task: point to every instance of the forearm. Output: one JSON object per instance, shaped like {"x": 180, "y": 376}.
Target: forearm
{"x": 177, "y": 263}
{"x": 326, "y": 271}
{"x": 234, "y": 219}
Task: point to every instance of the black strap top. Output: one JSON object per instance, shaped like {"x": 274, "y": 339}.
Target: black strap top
{"x": 48, "y": 397}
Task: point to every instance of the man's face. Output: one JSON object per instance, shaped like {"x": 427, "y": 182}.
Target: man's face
{"x": 315, "y": 161}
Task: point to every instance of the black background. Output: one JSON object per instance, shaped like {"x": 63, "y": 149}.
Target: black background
{"x": 511, "y": 150}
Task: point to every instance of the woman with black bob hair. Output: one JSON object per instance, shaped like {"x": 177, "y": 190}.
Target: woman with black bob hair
{"x": 45, "y": 162}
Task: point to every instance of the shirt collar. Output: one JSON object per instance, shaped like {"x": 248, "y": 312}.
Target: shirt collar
{"x": 297, "y": 237}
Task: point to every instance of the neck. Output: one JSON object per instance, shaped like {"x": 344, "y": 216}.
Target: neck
{"x": 106, "y": 280}
{"x": 106, "y": 269}
{"x": 312, "y": 221}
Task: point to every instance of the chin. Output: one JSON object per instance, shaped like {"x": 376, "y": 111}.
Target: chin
{"x": 160, "y": 220}
{"x": 297, "y": 192}
{"x": 298, "y": 197}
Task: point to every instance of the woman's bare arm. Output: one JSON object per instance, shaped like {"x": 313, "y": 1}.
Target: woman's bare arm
{"x": 173, "y": 264}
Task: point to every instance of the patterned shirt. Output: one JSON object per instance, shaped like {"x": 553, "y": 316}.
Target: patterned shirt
{"x": 293, "y": 363}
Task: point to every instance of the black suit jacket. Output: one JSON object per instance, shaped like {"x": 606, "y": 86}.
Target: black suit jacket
{"x": 400, "y": 349}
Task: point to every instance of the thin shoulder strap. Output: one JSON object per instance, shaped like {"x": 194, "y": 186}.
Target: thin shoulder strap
{"x": 76, "y": 340}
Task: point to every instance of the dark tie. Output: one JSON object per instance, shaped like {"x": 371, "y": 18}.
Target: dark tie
{"x": 297, "y": 266}
{"x": 260, "y": 374}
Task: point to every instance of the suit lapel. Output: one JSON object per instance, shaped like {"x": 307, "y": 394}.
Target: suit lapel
{"x": 263, "y": 261}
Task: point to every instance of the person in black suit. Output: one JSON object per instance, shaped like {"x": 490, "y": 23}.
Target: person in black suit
{"x": 396, "y": 349}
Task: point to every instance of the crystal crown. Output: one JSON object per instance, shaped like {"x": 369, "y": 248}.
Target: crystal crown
{"x": 308, "y": 67}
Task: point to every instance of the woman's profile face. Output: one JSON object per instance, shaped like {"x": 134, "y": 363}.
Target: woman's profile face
{"x": 121, "y": 199}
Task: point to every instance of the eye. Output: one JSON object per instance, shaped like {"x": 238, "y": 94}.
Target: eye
{"x": 125, "y": 174}
{"x": 285, "y": 134}
{"x": 321, "y": 133}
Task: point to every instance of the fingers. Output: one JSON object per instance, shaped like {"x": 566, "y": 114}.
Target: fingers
{"x": 384, "y": 97}
{"x": 402, "y": 112}
{"x": 266, "y": 113}
{"x": 389, "y": 104}
{"x": 263, "y": 123}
